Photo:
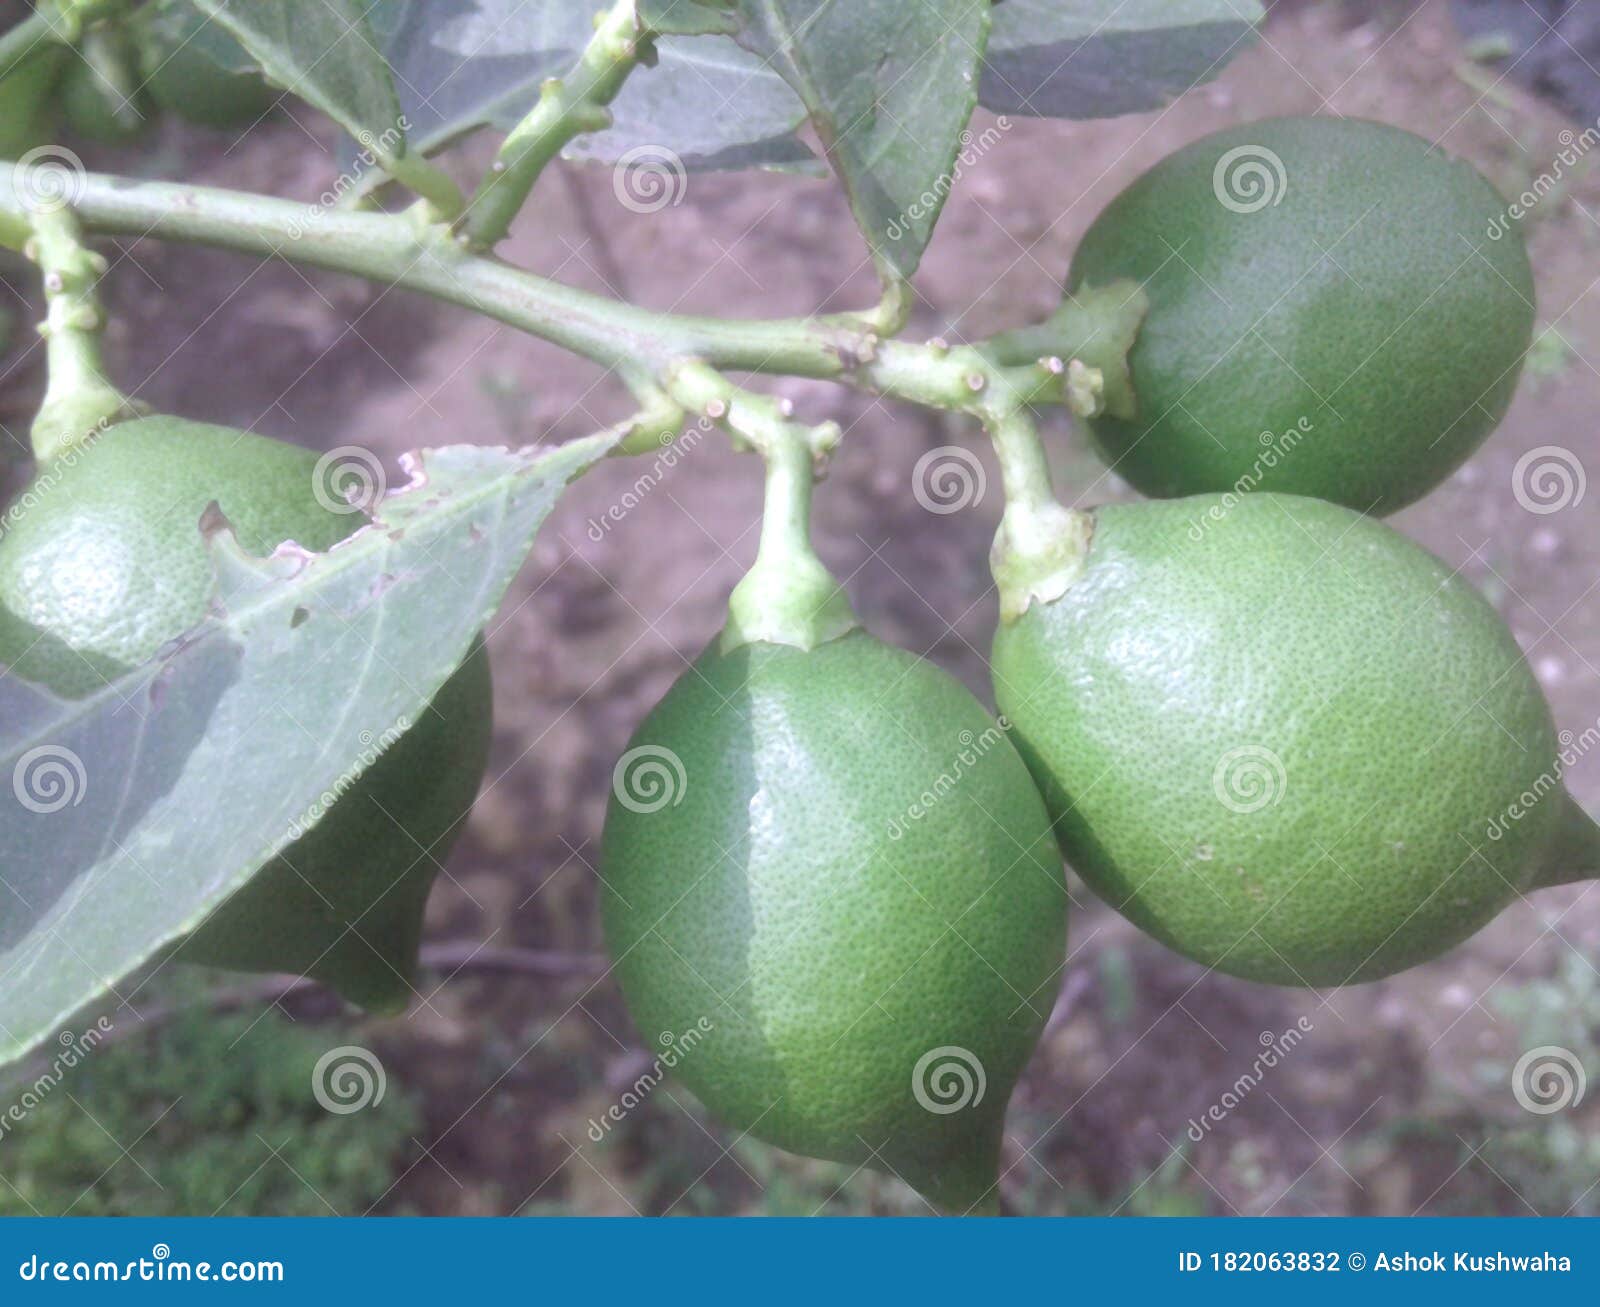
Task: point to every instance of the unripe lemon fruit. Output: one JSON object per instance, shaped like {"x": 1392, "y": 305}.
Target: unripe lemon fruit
{"x": 1286, "y": 741}
{"x": 105, "y": 563}
{"x": 1336, "y": 308}
{"x": 829, "y": 884}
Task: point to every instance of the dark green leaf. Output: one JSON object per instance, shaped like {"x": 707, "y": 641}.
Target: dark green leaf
{"x": 889, "y": 88}
{"x": 1099, "y": 58}
{"x": 326, "y": 54}
{"x": 461, "y": 65}
{"x": 689, "y": 17}
{"x": 172, "y": 24}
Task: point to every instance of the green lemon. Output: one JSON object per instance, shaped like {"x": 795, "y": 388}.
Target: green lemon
{"x": 103, "y": 563}
{"x": 835, "y": 908}
{"x": 183, "y": 74}
{"x": 25, "y": 98}
{"x": 99, "y": 96}
{"x": 1286, "y": 741}
{"x": 1337, "y": 309}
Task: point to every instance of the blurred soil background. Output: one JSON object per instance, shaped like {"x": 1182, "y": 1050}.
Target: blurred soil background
{"x": 1399, "y": 1098}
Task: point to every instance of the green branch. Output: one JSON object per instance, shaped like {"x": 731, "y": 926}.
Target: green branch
{"x": 568, "y": 106}
{"x": 399, "y": 250}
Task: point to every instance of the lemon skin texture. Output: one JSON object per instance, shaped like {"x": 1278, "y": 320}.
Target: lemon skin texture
{"x": 1274, "y": 734}
{"x": 1365, "y": 300}
{"x": 853, "y": 871}
{"x": 107, "y": 565}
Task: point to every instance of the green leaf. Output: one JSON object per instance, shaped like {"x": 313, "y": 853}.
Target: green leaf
{"x": 326, "y": 54}
{"x": 689, "y": 17}
{"x": 128, "y": 815}
{"x": 1100, "y": 58}
{"x": 461, "y": 65}
{"x": 175, "y": 24}
{"x": 889, "y": 88}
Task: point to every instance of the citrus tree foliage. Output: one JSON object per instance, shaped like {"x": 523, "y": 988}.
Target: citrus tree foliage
{"x": 185, "y": 776}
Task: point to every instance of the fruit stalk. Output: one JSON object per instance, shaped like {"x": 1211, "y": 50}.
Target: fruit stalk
{"x": 78, "y": 400}
{"x": 568, "y": 106}
{"x": 1096, "y": 328}
{"x": 788, "y": 596}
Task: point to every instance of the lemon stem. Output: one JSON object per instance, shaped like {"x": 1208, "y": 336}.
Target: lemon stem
{"x": 788, "y": 596}
{"x": 79, "y": 401}
{"x": 1090, "y": 335}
